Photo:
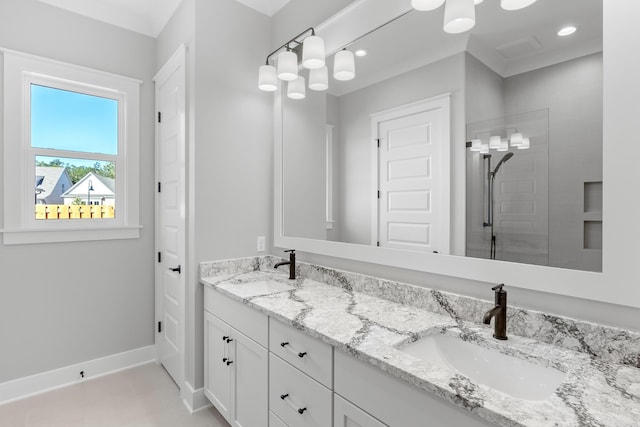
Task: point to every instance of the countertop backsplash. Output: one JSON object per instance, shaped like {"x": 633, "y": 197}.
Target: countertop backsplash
{"x": 610, "y": 344}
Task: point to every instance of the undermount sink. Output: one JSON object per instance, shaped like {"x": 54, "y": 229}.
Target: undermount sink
{"x": 516, "y": 377}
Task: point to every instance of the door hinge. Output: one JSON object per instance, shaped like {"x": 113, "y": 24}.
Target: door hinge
{"x": 159, "y": 117}
{"x": 159, "y": 187}
{"x": 159, "y": 327}
{"x": 159, "y": 256}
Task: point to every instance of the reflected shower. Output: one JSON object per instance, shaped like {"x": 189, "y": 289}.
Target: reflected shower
{"x": 492, "y": 178}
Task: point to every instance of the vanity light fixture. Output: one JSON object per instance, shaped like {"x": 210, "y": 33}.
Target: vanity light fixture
{"x": 504, "y": 145}
{"x": 344, "y": 66}
{"x": 476, "y": 145}
{"x": 516, "y": 139}
{"x": 484, "y": 149}
{"x": 319, "y": 79}
{"x": 460, "y": 15}
{"x": 525, "y": 144}
{"x": 566, "y": 31}
{"x": 268, "y": 78}
{"x": 287, "y": 65}
{"x": 495, "y": 142}
{"x": 295, "y": 88}
{"x": 313, "y": 52}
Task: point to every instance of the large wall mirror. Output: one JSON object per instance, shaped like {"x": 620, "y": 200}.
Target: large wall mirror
{"x": 518, "y": 180}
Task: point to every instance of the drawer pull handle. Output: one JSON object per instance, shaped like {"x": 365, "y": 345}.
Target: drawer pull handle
{"x": 229, "y": 362}
{"x": 284, "y": 396}
{"x": 224, "y": 359}
{"x": 224, "y": 338}
{"x": 229, "y": 340}
{"x": 284, "y": 344}
{"x": 301, "y": 410}
{"x": 301, "y": 355}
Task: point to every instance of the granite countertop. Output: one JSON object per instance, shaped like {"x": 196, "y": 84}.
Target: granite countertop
{"x": 594, "y": 392}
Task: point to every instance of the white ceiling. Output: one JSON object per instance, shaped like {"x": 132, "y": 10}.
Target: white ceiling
{"x": 144, "y": 16}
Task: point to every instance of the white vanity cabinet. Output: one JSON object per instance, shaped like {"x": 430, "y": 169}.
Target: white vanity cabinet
{"x": 300, "y": 377}
{"x": 236, "y": 360}
{"x": 346, "y": 414}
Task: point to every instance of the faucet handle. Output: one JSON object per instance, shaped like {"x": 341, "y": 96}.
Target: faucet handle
{"x": 291, "y": 250}
{"x": 498, "y": 288}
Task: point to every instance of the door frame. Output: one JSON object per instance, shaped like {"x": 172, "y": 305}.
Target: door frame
{"x": 442, "y": 102}
{"x": 174, "y": 63}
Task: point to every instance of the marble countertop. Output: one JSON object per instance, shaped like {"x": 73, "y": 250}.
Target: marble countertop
{"x": 594, "y": 392}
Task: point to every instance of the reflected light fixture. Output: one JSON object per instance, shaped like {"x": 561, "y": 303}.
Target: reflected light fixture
{"x": 344, "y": 66}
{"x": 425, "y": 5}
{"x": 296, "y": 89}
{"x": 525, "y": 144}
{"x": 516, "y": 139}
{"x": 516, "y": 4}
{"x": 484, "y": 149}
{"x": 476, "y": 145}
{"x": 495, "y": 142}
{"x": 566, "y": 31}
{"x": 459, "y": 16}
{"x": 504, "y": 145}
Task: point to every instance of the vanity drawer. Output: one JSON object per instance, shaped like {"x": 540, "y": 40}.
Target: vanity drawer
{"x": 310, "y": 355}
{"x": 247, "y": 320}
{"x": 297, "y": 399}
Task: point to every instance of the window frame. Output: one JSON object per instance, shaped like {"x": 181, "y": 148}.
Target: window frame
{"x": 20, "y": 226}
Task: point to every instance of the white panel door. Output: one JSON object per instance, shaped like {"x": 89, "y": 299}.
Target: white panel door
{"x": 413, "y": 178}
{"x": 170, "y": 215}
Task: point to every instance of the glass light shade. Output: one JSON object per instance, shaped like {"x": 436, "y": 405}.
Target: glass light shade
{"x": 296, "y": 89}
{"x": 344, "y": 66}
{"x": 424, "y": 5}
{"x": 287, "y": 66}
{"x": 484, "y": 149}
{"x": 516, "y": 139}
{"x": 477, "y": 2}
{"x": 459, "y": 16}
{"x": 267, "y": 78}
{"x": 525, "y": 144}
{"x": 476, "y": 145}
{"x": 313, "y": 52}
{"x": 495, "y": 142}
{"x": 504, "y": 145}
{"x": 516, "y": 4}
{"x": 319, "y": 79}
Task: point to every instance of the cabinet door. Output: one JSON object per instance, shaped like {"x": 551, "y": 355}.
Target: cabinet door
{"x": 249, "y": 386}
{"x": 217, "y": 374}
{"x": 347, "y": 415}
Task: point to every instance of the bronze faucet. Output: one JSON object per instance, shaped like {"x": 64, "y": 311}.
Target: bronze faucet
{"x": 499, "y": 312}
{"x": 291, "y": 263}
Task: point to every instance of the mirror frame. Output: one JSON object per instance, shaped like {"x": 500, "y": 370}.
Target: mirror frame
{"x": 621, "y": 228}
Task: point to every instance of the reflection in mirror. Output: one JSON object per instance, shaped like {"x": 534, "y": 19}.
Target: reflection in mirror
{"x": 510, "y": 74}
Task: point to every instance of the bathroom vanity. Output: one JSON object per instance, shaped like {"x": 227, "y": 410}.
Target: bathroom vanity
{"x": 337, "y": 348}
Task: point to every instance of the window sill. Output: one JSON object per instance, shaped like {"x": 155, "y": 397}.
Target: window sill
{"x": 26, "y": 236}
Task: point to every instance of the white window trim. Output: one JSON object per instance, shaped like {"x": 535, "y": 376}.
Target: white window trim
{"x": 20, "y": 226}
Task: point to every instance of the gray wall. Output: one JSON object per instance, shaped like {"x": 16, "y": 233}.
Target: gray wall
{"x": 66, "y": 303}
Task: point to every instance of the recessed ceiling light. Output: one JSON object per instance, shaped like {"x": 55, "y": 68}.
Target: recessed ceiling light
{"x": 566, "y": 31}
{"x": 361, "y": 52}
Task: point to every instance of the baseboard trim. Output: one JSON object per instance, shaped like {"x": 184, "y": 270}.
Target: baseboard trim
{"x": 68, "y": 375}
{"x": 193, "y": 399}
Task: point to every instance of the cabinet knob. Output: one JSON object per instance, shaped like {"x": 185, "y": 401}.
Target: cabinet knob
{"x": 224, "y": 338}
{"x": 302, "y": 354}
{"x": 301, "y": 410}
{"x": 229, "y": 340}
{"x": 284, "y": 396}
{"x": 224, "y": 359}
{"x": 284, "y": 344}
{"x": 229, "y": 362}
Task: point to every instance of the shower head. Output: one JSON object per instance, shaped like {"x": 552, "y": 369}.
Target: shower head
{"x": 503, "y": 160}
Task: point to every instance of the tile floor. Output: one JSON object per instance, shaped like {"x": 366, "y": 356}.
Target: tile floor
{"x": 143, "y": 396}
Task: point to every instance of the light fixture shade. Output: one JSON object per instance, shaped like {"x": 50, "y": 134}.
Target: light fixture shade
{"x": 477, "y": 2}
{"x": 476, "y": 145}
{"x": 516, "y": 139}
{"x": 296, "y": 89}
{"x": 504, "y": 145}
{"x": 495, "y": 142}
{"x": 319, "y": 79}
{"x": 287, "y": 66}
{"x": 267, "y": 78}
{"x": 459, "y": 16}
{"x": 484, "y": 149}
{"x": 424, "y": 5}
{"x": 525, "y": 144}
{"x": 313, "y": 52}
{"x": 516, "y": 4}
{"x": 344, "y": 66}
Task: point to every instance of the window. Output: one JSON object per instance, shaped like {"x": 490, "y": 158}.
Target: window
{"x": 74, "y": 133}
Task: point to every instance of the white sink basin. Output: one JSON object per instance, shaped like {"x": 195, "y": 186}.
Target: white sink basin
{"x": 513, "y": 376}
